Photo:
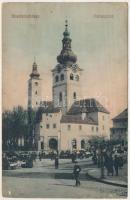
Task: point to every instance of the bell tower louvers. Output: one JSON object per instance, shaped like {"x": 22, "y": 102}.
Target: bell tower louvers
{"x": 66, "y": 75}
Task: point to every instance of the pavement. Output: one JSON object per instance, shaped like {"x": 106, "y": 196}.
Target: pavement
{"x": 44, "y": 181}
{"x": 16, "y": 187}
{"x": 120, "y": 180}
{"x": 45, "y": 169}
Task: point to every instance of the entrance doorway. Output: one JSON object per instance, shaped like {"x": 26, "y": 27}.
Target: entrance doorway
{"x": 53, "y": 144}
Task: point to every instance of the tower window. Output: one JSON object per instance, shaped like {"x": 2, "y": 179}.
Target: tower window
{"x": 71, "y": 77}
{"x": 103, "y": 117}
{"x": 36, "y": 92}
{"x": 62, "y": 77}
{"x": 77, "y": 77}
{"x": 60, "y": 96}
{"x": 36, "y": 102}
{"x": 56, "y": 78}
{"x": 92, "y": 128}
{"x": 36, "y": 83}
{"x": 97, "y": 129}
{"x": 54, "y": 125}
{"x": 74, "y": 95}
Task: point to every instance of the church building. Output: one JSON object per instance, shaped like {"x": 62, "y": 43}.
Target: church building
{"x": 67, "y": 122}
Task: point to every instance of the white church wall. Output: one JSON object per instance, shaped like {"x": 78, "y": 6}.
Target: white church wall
{"x": 34, "y": 92}
{"x": 50, "y": 127}
{"x": 104, "y": 124}
{"x": 79, "y": 132}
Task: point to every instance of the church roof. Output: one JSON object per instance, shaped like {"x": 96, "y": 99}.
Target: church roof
{"x": 122, "y": 115}
{"x": 74, "y": 115}
{"x": 86, "y": 106}
{"x": 77, "y": 119}
{"x": 66, "y": 55}
{"x": 46, "y": 107}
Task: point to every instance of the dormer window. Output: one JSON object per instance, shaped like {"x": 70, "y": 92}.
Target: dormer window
{"x": 71, "y": 77}
{"x": 56, "y": 78}
{"x": 62, "y": 77}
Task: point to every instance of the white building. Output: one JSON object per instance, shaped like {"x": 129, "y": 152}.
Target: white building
{"x": 68, "y": 121}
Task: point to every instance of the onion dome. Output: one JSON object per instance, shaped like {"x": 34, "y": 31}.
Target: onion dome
{"x": 66, "y": 56}
{"x": 34, "y": 73}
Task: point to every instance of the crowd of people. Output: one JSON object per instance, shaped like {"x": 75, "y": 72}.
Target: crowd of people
{"x": 112, "y": 160}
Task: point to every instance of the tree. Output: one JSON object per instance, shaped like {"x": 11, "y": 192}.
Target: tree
{"x": 96, "y": 140}
{"x": 14, "y": 126}
{"x": 32, "y": 115}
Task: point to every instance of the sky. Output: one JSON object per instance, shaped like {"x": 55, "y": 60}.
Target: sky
{"x": 99, "y": 39}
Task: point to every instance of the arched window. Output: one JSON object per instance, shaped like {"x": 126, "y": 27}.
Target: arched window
{"x": 62, "y": 77}
{"x": 74, "y": 95}
{"x": 82, "y": 144}
{"x": 56, "y": 78}
{"x": 71, "y": 77}
{"x": 42, "y": 145}
{"x": 74, "y": 144}
{"x": 60, "y": 96}
{"x": 36, "y": 83}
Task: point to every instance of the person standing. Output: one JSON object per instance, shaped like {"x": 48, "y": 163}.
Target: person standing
{"x": 76, "y": 172}
{"x": 116, "y": 164}
{"x": 40, "y": 156}
{"x": 109, "y": 164}
{"x": 56, "y": 162}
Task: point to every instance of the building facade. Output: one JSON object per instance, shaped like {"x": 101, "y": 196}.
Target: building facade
{"x": 68, "y": 121}
{"x": 119, "y": 131}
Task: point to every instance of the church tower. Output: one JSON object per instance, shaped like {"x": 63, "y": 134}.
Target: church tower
{"x": 34, "y": 88}
{"x": 66, "y": 76}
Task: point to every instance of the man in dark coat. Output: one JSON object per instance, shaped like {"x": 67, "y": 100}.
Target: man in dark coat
{"x": 76, "y": 172}
{"x": 109, "y": 164}
{"x": 56, "y": 162}
{"x": 116, "y": 164}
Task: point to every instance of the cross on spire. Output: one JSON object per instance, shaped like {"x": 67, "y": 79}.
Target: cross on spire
{"x": 66, "y": 24}
{"x": 34, "y": 58}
